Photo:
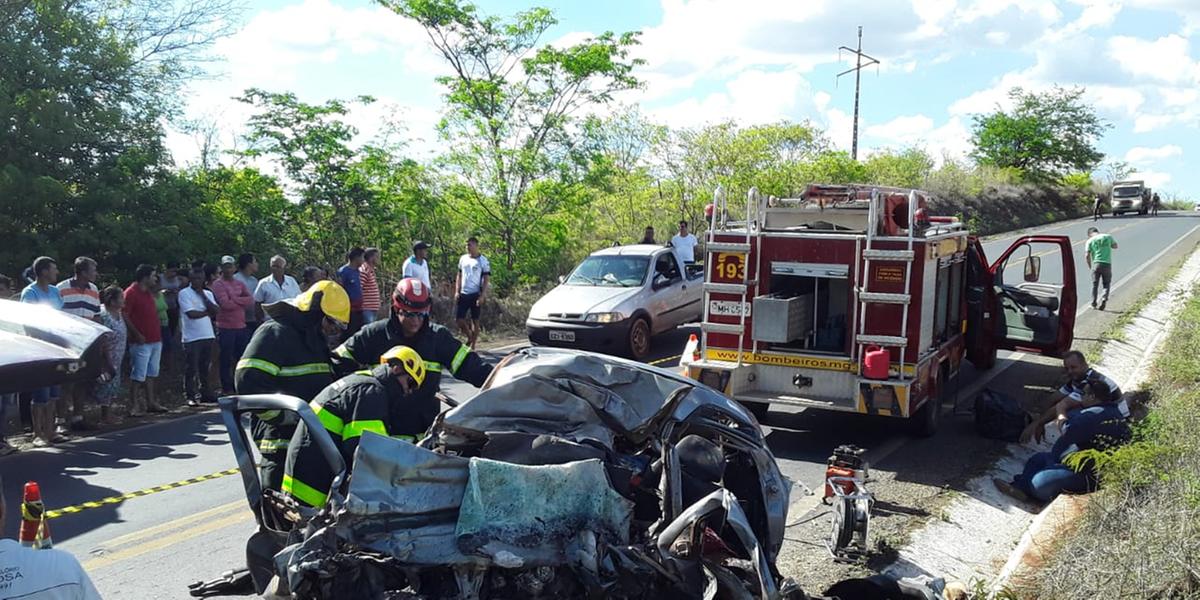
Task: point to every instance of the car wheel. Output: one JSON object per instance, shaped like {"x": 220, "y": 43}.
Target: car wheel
{"x": 639, "y": 339}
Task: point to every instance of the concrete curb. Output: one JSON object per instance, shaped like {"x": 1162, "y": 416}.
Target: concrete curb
{"x": 1146, "y": 334}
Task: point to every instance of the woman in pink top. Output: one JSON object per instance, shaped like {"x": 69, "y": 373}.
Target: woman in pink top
{"x": 232, "y": 334}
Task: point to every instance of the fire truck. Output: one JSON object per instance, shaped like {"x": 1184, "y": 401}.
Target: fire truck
{"x": 855, "y": 299}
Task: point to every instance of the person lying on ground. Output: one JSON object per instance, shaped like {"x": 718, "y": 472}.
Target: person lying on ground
{"x": 1070, "y": 395}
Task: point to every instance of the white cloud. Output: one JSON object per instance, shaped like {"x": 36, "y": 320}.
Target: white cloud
{"x": 904, "y": 130}
{"x": 1141, "y": 156}
{"x": 754, "y": 96}
{"x": 1154, "y": 179}
{"x": 1167, "y": 59}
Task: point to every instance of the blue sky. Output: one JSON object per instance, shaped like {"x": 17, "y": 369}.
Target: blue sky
{"x": 765, "y": 60}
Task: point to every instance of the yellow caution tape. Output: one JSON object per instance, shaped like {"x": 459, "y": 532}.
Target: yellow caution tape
{"x": 70, "y": 510}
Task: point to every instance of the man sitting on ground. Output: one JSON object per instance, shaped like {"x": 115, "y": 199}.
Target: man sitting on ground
{"x": 48, "y": 574}
{"x": 1070, "y": 395}
{"x": 1097, "y": 424}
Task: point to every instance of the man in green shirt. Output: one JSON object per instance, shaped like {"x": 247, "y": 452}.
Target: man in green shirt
{"x": 1099, "y": 260}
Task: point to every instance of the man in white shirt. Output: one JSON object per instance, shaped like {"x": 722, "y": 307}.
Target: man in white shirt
{"x": 275, "y": 287}
{"x": 417, "y": 265}
{"x": 197, "y": 308}
{"x": 470, "y": 286}
{"x": 685, "y": 244}
{"x": 28, "y": 574}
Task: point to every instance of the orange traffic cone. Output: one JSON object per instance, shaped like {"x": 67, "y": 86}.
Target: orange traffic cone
{"x": 35, "y": 531}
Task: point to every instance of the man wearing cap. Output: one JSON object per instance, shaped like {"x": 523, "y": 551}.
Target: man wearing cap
{"x": 409, "y": 326}
{"x": 289, "y": 354}
{"x": 417, "y": 265}
{"x": 1099, "y": 260}
{"x": 378, "y": 400}
{"x": 32, "y": 574}
{"x": 232, "y": 334}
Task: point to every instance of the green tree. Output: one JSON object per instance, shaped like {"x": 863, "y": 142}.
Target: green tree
{"x": 908, "y": 168}
{"x": 510, "y": 101}
{"x": 311, "y": 142}
{"x": 1045, "y": 136}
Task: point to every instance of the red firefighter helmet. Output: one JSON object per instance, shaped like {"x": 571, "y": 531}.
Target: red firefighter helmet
{"x": 411, "y": 295}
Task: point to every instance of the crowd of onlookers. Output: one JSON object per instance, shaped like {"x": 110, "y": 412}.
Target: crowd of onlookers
{"x": 197, "y": 318}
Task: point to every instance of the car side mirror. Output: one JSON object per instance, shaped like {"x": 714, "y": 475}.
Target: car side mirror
{"x": 562, "y": 279}
{"x": 660, "y": 281}
{"x": 1033, "y": 268}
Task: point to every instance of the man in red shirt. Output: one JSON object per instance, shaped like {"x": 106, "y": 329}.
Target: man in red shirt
{"x": 232, "y": 333}
{"x": 145, "y": 340}
{"x": 370, "y": 285}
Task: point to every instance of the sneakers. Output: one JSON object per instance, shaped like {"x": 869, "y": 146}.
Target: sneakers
{"x": 6, "y": 449}
{"x": 1103, "y": 304}
{"x": 1011, "y": 490}
{"x": 40, "y": 443}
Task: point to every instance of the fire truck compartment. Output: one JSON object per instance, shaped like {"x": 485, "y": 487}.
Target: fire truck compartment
{"x": 817, "y": 297}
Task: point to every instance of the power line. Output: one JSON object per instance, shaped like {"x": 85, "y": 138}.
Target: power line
{"x": 857, "y": 70}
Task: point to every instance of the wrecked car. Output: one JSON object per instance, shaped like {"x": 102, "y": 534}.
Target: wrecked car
{"x": 568, "y": 475}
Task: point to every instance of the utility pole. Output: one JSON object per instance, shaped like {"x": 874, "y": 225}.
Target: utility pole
{"x": 857, "y": 70}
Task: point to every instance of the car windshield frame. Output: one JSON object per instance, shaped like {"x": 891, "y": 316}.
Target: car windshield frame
{"x": 596, "y": 278}
{"x": 1133, "y": 190}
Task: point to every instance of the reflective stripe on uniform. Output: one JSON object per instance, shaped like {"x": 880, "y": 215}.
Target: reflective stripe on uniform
{"x": 267, "y": 415}
{"x": 257, "y": 363}
{"x": 356, "y": 428}
{"x": 412, "y": 439}
{"x": 433, "y": 366}
{"x": 306, "y": 369}
{"x": 303, "y": 492}
{"x": 459, "y": 357}
{"x": 333, "y": 423}
{"x": 272, "y": 445}
{"x": 343, "y": 352}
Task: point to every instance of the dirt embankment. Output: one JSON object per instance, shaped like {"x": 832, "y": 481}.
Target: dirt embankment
{"x": 1009, "y": 207}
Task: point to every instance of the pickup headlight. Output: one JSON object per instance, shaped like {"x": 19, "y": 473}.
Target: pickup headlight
{"x": 604, "y": 317}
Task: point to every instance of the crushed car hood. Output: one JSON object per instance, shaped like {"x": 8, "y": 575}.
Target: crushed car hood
{"x": 571, "y": 474}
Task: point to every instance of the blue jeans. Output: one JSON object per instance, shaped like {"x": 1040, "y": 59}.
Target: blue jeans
{"x": 231, "y": 343}
{"x": 1044, "y": 478}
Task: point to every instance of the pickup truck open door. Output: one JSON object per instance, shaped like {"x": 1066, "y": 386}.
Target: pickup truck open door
{"x": 1025, "y": 300}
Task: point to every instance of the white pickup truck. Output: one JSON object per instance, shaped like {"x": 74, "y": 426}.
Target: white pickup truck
{"x": 616, "y": 300}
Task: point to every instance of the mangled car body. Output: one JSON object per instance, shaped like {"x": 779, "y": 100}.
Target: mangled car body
{"x": 569, "y": 475}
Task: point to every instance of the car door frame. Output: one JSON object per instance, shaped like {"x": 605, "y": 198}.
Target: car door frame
{"x": 672, "y": 295}
{"x": 1068, "y": 302}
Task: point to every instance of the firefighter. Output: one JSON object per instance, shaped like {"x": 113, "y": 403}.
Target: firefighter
{"x": 409, "y": 326}
{"x": 376, "y": 400}
{"x": 290, "y": 354}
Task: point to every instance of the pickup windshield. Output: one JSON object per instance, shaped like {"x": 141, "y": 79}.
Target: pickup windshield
{"x": 1127, "y": 192}
{"x": 610, "y": 271}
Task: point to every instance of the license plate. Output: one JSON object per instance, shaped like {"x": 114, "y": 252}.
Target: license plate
{"x": 725, "y": 308}
{"x": 562, "y": 336}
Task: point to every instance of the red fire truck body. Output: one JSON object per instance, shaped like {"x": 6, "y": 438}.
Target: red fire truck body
{"x": 833, "y": 301}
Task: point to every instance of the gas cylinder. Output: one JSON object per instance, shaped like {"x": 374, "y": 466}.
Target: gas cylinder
{"x": 876, "y": 362}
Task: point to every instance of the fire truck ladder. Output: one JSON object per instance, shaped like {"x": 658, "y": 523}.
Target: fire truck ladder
{"x": 867, "y": 297}
{"x": 712, "y": 248}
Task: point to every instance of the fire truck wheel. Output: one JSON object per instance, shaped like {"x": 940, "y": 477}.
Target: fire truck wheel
{"x": 760, "y": 410}
{"x": 925, "y": 422}
{"x": 988, "y": 361}
{"x": 639, "y": 339}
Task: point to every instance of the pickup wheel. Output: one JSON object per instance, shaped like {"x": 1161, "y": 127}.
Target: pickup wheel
{"x": 639, "y": 339}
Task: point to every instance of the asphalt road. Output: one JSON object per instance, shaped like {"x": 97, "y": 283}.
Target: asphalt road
{"x": 152, "y": 546}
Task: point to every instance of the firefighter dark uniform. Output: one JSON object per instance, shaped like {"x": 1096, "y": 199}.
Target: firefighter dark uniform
{"x": 367, "y": 401}
{"x": 289, "y": 355}
{"x": 441, "y": 351}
